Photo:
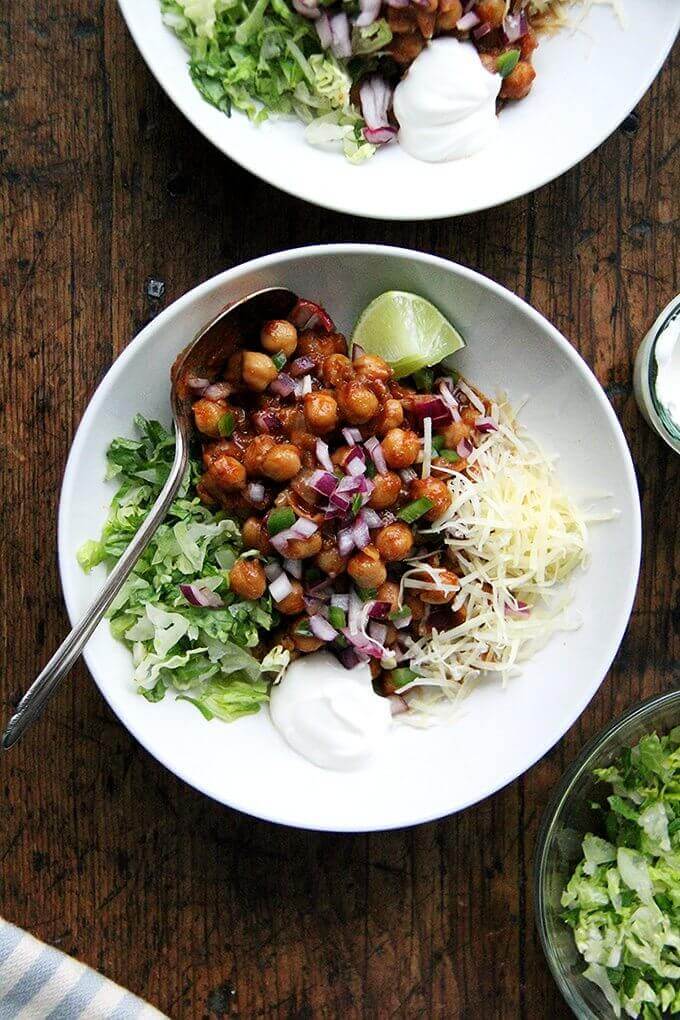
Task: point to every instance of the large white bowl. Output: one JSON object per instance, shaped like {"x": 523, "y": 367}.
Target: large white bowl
{"x": 587, "y": 81}
{"x": 419, "y": 775}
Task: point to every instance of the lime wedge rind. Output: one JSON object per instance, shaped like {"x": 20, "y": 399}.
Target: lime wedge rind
{"x": 407, "y": 330}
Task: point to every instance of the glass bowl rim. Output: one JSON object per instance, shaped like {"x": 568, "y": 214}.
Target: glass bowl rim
{"x": 583, "y": 762}
{"x": 662, "y": 414}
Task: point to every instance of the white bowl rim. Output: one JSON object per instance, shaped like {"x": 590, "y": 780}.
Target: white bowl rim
{"x": 280, "y": 181}
{"x": 146, "y": 336}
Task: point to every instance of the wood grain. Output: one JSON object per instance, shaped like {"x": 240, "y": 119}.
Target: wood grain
{"x": 207, "y": 913}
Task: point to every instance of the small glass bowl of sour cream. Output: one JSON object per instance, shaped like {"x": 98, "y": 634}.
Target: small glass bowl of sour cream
{"x": 656, "y": 377}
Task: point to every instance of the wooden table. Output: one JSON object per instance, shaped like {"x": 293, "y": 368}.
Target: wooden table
{"x": 206, "y": 912}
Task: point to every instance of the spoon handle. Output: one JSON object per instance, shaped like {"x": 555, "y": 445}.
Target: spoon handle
{"x": 44, "y": 686}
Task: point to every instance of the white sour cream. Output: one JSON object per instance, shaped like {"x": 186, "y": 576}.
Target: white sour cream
{"x": 667, "y": 356}
{"x": 328, "y": 714}
{"x": 446, "y": 104}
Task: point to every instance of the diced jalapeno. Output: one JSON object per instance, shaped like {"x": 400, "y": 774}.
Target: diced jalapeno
{"x": 280, "y": 519}
{"x": 412, "y": 511}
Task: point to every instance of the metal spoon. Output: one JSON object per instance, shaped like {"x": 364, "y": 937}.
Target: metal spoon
{"x": 205, "y": 357}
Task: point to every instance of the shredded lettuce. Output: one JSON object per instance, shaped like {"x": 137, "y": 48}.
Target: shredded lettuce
{"x": 202, "y": 653}
{"x": 264, "y": 59}
{"x": 623, "y": 899}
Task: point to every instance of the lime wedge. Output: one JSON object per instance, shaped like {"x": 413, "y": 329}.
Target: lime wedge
{"x": 407, "y": 331}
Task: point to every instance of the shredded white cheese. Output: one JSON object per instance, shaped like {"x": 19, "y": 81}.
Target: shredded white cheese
{"x": 513, "y": 536}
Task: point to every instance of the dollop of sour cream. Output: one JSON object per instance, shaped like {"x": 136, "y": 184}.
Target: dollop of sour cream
{"x": 446, "y": 104}
{"x": 328, "y": 714}
{"x": 667, "y": 356}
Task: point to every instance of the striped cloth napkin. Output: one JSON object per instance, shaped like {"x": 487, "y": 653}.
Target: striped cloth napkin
{"x": 38, "y": 982}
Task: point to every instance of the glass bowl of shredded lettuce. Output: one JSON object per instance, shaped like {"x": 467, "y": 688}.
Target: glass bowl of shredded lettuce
{"x": 607, "y": 870}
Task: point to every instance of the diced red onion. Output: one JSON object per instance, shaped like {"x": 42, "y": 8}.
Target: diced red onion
{"x": 301, "y": 366}
{"x": 407, "y": 475}
{"x": 360, "y": 533}
{"x": 354, "y": 612}
{"x": 398, "y": 704}
{"x": 398, "y": 3}
{"x": 355, "y": 462}
{"x": 283, "y": 385}
{"x": 196, "y": 386}
{"x": 464, "y": 448}
{"x": 379, "y": 610}
{"x": 306, "y": 8}
{"x": 323, "y": 455}
{"x": 256, "y": 492}
{"x": 280, "y": 541}
{"x": 272, "y": 570}
{"x": 320, "y": 590}
{"x": 293, "y": 567}
{"x": 370, "y": 9}
{"x": 322, "y": 628}
{"x": 267, "y": 421}
{"x": 345, "y": 541}
{"x": 217, "y": 391}
{"x": 378, "y": 631}
{"x": 198, "y": 595}
{"x": 350, "y": 483}
{"x": 357, "y": 352}
{"x": 515, "y": 26}
{"x": 308, "y": 315}
{"x": 467, "y": 22}
{"x": 323, "y": 482}
{"x": 449, "y": 399}
{"x": 341, "y": 601}
{"x": 486, "y": 425}
{"x": 348, "y": 657}
{"x": 403, "y": 622}
{"x": 380, "y": 135}
{"x": 280, "y": 588}
{"x": 340, "y": 40}
{"x": 341, "y": 500}
{"x": 323, "y": 30}
{"x": 351, "y": 436}
{"x": 472, "y": 397}
{"x": 313, "y": 605}
{"x": 434, "y": 408}
{"x": 303, "y": 528}
{"x": 364, "y": 644}
{"x": 375, "y": 449}
{"x": 375, "y": 94}
{"x": 373, "y": 519}
{"x": 481, "y": 30}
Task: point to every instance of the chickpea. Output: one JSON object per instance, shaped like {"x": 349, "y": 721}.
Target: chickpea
{"x": 336, "y": 369}
{"x": 386, "y": 489}
{"x": 434, "y": 489}
{"x": 391, "y": 417}
{"x": 293, "y": 603}
{"x": 228, "y": 473}
{"x": 330, "y": 561}
{"x": 318, "y": 347}
{"x": 454, "y": 432}
{"x": 366, "y": 568}
{"x": 303, "y": 548}
{"x": 321, "y": 412}
{"x": 389, "y": 592}
{"x": 247, "y": 579}
{"x": 449, "y": 14}
{"x": 394, "y": 542}
{"x": 305, "y": 642}
{"x": 282, "y": 462}
{"x": 401, "y": 448}
{"x": 518, "y": 83}
{"x": 416, "y": 605}
{"x": 279, "y": 335}
{"x": 208, "y": 414}
{"x": 212, "y": 451}
{"x": 357, "y": 403}
{"x": 255, "y": 535}
{"x": 256, "y": 452}
{"x": 446, "y": 579}
{"x": 258, "y": 370}
{"x": 491, "y": 11}
{"x": 370, "y": 366}
{"x": 405, "y": 48}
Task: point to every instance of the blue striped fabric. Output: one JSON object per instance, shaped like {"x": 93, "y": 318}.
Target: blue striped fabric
{"x": 38, "y": 982}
